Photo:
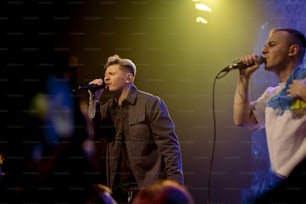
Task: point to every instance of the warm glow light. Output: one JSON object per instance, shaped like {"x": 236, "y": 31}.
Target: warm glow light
{"x": 202, "y": 7}
{"x": 201, "y": 20}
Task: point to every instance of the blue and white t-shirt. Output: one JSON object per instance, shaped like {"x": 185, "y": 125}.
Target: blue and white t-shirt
{"x": 284, "y": 118}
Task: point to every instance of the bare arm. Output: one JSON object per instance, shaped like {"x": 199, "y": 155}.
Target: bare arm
{"x": 242, "y": 112}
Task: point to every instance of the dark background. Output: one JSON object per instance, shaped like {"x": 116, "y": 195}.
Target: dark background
{"x": 176, "y": 58}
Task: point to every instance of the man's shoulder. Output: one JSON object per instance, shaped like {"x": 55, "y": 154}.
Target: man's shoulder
{"x": 147, "y": 97}
{"x": 146, "y": 94}
{"x": 299, "y": 73}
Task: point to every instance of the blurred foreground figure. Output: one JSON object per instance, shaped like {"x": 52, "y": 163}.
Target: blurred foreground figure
{"x": 102, "y": 195}
{"x": 49, "y": 163}
{"x": 164, "y": 192}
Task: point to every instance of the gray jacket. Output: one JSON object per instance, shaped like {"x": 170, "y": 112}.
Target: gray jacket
{"x": 152, "y": 145}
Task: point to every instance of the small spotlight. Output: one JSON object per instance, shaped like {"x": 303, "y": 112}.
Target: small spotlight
{"x": 202, "y": 7}
{"x": 201, "y": 20}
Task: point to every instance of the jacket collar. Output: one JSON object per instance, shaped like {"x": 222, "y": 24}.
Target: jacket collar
{"x": 130, "y": 98}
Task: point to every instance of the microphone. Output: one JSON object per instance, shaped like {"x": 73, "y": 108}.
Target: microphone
{"x": 92, "y": 87}
{"x": 240, "y": 65}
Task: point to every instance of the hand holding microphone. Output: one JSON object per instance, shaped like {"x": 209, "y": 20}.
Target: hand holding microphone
{"x": 92, "y": 87}
{"x": 95, "y": 89}
{"x": 249, "y": 64}
{"x": 245, "y": 62}
{"x": 246, "y": 65}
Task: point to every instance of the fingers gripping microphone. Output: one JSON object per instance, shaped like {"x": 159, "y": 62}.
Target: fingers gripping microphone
{"x": 240, "y": 65}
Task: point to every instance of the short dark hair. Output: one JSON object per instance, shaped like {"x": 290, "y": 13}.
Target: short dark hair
{"x": 125, "y": 64}
{"x": 298, "y": 38}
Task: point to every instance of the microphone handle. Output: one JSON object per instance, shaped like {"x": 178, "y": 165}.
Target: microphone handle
{"x": 91, "y": 87}
{"x": 240, "y": 65}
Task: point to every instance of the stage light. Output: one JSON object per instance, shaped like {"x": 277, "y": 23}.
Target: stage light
{"x": 202, "y": 7}
{"x": 201, "y": 20}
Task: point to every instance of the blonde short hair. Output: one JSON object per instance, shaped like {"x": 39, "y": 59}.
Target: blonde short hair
{"x": 125, "y": 64}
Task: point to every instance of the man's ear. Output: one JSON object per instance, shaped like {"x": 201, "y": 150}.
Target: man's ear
{"x": 129, "y": 77}
{"x": 293, "y": 50}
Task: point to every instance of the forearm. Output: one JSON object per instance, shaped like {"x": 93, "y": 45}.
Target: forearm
{"x": 242, "y": 114}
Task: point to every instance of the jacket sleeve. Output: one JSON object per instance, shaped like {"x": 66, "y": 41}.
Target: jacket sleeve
{"x": 163, "y": 131}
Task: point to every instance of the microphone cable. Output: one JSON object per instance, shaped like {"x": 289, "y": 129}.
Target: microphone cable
{"x": 219, "y": 75}
{"x": 234, "y": 66}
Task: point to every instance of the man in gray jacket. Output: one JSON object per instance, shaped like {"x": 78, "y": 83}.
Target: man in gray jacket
{"x": 144, "y": 147}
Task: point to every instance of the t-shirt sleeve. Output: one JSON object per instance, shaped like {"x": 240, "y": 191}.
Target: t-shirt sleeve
{"x": 258, "y": 107}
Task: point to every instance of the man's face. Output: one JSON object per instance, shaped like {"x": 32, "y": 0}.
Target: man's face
{"x": 276, "y": 51}
{"x": 115, "y": 78}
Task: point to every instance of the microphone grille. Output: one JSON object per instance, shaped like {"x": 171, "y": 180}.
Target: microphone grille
{"x": 260, "y": 59}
